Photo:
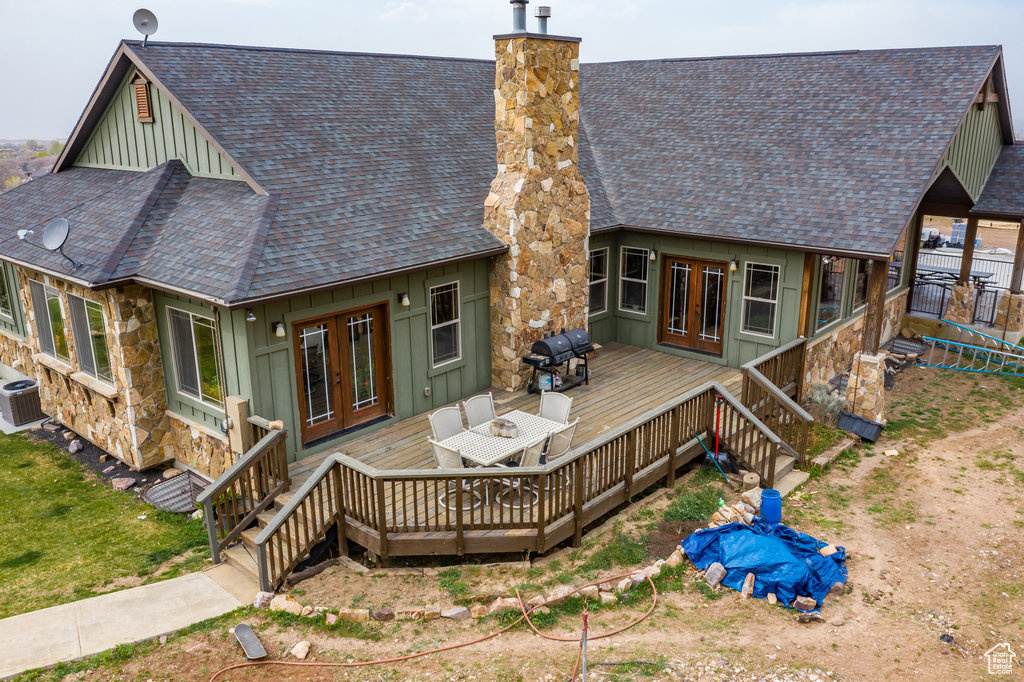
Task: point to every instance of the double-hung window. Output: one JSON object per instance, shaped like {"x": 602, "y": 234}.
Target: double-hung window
{"x": 445, "y": 325}
{"x": 830, "y": 290}
{"x": 194, "y": 349}
{"x": 49, "y": 314}
{"x": 6, "y": 295}
{"x": 598, "y": 281}
{"x": 633, "y": 280}
{"x": 90, "y": 332}
{"x": 760, "y": 298}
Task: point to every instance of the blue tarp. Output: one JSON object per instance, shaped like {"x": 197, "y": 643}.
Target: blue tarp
{"x": 783, "y": 560}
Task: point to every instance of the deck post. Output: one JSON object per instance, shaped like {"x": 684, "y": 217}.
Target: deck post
{"x": 382, "y": 522}
{"x": 878, "y": 275}
{"x": 577, "y": 505}
{"x": 211, "y": 531}
{"x": 460, "y": 538}
{"x": 1018, "y": 261}
{"x": 339, "y": 514}
{"x": 542, "y": 500}
{"x": 968, "y": 256}
{"x": 630, "y": 464}
{"x": 674, "y": 443}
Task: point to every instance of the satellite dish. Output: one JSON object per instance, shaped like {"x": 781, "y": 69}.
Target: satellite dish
{"x": 145, "y": 23}
{"x": 55, "y": 234}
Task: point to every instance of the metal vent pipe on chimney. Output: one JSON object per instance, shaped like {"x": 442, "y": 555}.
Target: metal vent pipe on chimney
{"x": 519, "y": 16}
{"x": 543, "y": 13}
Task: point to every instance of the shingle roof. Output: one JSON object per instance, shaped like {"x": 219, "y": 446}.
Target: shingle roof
{"x": 380, "y": 163}
{"x": 1004, "y": 191}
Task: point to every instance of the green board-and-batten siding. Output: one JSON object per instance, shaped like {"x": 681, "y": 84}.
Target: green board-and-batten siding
{"x": 121, "y": 142}
{"x": 974, "y": 149}
{"x": 738, "y": 347}
{"x": 274, "y": 392}
{"x": 15, "y": 324}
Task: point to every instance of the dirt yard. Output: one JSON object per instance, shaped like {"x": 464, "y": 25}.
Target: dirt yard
{"x": 934, "y": 536}
{"x": 993, "y": 234}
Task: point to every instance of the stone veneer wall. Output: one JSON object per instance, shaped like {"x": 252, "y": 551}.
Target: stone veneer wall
{"x": 197, "y": 446}
{"x": 960, "y": 307}
{"x": 1010, "y": 312}
{"x": 128, "y": 419}
{"x": 538, "y": 202}
{"x": 833, "y": 353}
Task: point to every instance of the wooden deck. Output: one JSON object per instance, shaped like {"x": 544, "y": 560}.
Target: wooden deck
{"x": 625, "y": 382}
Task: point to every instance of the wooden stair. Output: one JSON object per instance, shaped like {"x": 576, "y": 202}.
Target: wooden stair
{"x": 242, "y": 555}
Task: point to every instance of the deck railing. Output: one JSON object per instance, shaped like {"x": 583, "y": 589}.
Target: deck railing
{"x": 770, "y": 384}
{"x": 464, "y": 511}
{"x": 232, "y": 502}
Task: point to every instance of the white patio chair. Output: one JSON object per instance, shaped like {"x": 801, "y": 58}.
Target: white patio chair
{"x": 446, "y": 422}
{"x": 514, "y": 487}
{"x": 555, "y": 406}
{"x": 479, "y": 409}
{"x": 449, "y": 459}
{"x": 561, "y": 441}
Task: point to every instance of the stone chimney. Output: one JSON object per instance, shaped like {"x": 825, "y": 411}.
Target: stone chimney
{"x": 538, "y": 203}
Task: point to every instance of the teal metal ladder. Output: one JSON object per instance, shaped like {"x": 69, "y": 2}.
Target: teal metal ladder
{"x": 973, "y": 351}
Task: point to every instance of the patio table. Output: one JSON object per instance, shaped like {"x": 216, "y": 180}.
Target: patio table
{"x": 941, "y": 272}
{"x": 480, "y": 446}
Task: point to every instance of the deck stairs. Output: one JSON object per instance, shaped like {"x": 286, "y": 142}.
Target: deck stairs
{"x": 242, "y": 555}
{"x": 969, "y": 350}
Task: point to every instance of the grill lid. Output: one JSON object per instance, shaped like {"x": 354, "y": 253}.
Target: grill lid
{"x": 552, "y": 346}
{"x": 579, "y": 339}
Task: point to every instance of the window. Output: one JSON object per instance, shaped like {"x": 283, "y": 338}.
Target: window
{"x": 760, "y": 298}
{"x": 143, "y": 107}
{"x": 90, "y": 337}
{"x": 49, "y": 314}
{"x": 598, "y": 281}
{"x": 194, "y": 349}
{"x": 830, "y": 290}
{"x": 860, "y": 290}
{"x": 633, "y": 280}
{"x": 6, "y": 297}
{"x": 445, "y": 327}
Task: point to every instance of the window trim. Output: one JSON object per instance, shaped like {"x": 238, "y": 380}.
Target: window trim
{"x": 457, "y": 322}
{"x": 5, "y": 282}
{"x": 645, "y": 281}
{"x": 591, "y": 282}
{"x": 842, "y": 300}
{"x": 87, "y": 343}
{"x": 200, "y": 398}
{"x": 775, "y": 302}
{"x": 47, "y": 290}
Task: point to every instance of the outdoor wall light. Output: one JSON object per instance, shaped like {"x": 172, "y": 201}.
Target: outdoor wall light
{"x": 733, "y": 264}
{"x": 279, "y": 331}
{"x": 250, "y": 316}
{"x": 403, "y": 298}
{"x": 654, "y": 255}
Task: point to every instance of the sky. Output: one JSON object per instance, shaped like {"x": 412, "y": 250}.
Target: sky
{"x": 55, "y": 50}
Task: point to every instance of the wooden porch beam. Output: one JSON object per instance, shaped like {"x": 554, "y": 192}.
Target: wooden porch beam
{"x": 878, "y": 277}
{"x": 911, "y": 249}
{"x": 806, "y": 289}
{"x": 1018, "y": 261}
{"x": 968, "y": 256}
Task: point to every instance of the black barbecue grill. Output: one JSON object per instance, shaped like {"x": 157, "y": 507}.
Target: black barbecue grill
{"x": 554, "y": 350}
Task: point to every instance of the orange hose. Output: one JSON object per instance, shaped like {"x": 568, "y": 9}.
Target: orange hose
{"x": 397, "y": 659}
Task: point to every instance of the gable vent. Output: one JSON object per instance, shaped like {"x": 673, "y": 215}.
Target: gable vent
{"x": 143, "y": 106}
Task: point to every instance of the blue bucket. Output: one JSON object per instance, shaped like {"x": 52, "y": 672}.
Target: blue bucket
{"x": 771, "y": 505}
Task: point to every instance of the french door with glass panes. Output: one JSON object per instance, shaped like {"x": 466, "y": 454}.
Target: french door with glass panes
{"x": 693, "y": 304}
{"x": 342, "y": 367}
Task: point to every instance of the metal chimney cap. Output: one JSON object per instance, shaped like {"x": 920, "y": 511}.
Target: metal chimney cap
{"x": 519, "y": 2}
{"x": 542, "y": 12}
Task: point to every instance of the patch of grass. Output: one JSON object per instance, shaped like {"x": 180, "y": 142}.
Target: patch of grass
{"x": 450, "y": 580}
{"x": 621, "y": 550}
{"x": 821, "y": 437}
{"x": 708, "y": 591}
{"x": 64, "y": 536}
{"x": 694, "y": 505}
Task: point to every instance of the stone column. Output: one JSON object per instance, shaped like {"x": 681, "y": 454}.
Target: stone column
{"x": 538, "y": 202}
{"x": 960, "y": 308}
{"x": 865, "y": 392}
{"x": 1010, "y": 312}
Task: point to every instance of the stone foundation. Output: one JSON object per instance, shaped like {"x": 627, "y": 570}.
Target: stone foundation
{"x": 197, "y": 446}
{"x": 538, "y": 202}
{"x": 960, "y": 308}
{"x": 1010, "y": 312}
{"x": 865, "y": 392}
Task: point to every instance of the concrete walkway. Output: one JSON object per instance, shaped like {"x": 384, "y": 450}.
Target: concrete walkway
{"x": 83, "y": 628}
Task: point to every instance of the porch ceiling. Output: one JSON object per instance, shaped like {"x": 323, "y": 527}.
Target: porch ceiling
{"x": 625, "y": 382}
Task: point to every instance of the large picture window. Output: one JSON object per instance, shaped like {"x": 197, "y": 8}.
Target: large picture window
{"x": 760, "y": 298}
{"x": 830, "y": 291}
{"x": 633, "y": 280}
{"x": 90, "y": 337}
{"x": 49, "y": 315}
{"x": 194, "y": 348}
{"x": 598, "y": 281}
{"x": 445, "y": 324}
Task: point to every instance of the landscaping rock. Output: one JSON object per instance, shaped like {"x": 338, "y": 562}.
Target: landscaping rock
{"x": 171, "y": 473}
{"x": 76, "y": 446}
{"x": 409, "y": 613}
{"x": 534, "y": 602}
{"x": 108, "y": 469}
{"x": 753, "y": 498}
{"x": 810, "y": 618}
{"x": 307, "y": 611}
{"x": 838, "y": 622}
{"x": 652, "y": 571}
{"x": 354, "y": 615}
{"x": 675, "y": 559}
{"x": 103, "y": 458}
{"x": 51, "y": 427}
{"x": 478, "y": 611}
{"x": 559, "y": 593}
{"x": 331, "y": 618}
{"x": 828, "y": 550}
{"x": 625, "y": 585}
{"x": 892, "y": 453}
{"x": 502, "y": 604}
{"x": 383, "y": 614}
{"x": 607, "y": 598}
{"x": 751, "y": 481}
{"x": 262, "y": 600}
{"x": 838, "y": 589}
{"x": 748, "y": 585}
{"x": 300, "y": 650}
{"x": 456, "y": 613}
{"x": 432, "y": 612}
{"x": 163, "y": 640}
{"x": 283, "y": 602}
{"x": 607, "y": 586}
{"x": 543, "y": 609}
{"x": 804, "y": 604}
{"x": 197, "y": 515}
{"x": 590, "y": 592}
{"x": 772, "y": 599}
{"x": 122, "y": 483}
{"x": 714, "y": 574}
{"x": 69, "y": 435}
